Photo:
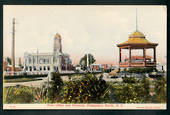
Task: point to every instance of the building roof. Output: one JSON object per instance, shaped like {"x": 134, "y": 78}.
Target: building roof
{"x": 136, "y": 38}
{"x": 137, "y": 34}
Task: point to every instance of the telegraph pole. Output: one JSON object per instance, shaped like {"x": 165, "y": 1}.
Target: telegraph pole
{"x": 13, "y": 46}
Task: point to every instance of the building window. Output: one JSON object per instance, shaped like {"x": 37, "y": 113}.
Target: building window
{"x": 55, "y": 59}
{"x": 48, "y": 68}
{"x": 40, "y": 68}
{"x": 30, "y": 68}
{"x": 55, "y": 68}
{"x": 44, "y": 68}
{"x": 29, "y": 60}
{"x": 26, "y": 68}
{"x": 47, "y": 61}
{"x": 41, "y": 61}
{"x": 33, "y": 60}
{"x": 34, "y": 68}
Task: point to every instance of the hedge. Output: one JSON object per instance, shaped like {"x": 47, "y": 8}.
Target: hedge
{"x": 24, "y": 76}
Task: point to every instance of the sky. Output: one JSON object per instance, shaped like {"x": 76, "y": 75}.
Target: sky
{"x": 84, "y": 29}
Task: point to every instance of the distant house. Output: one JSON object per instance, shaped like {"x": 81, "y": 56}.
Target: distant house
{"x": 96, "y": 67}
{"x": 7, "y": 67}
{"x": 107, "y": 66}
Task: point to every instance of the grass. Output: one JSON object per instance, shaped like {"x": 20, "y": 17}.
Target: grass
{"x": 21, "y": 94}
{"x": 20, "y": 80}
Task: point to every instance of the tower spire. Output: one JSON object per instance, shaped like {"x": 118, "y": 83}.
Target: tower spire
{"x": 136, "y": 21}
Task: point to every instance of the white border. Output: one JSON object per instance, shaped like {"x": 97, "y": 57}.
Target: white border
{"x": 117, "y": 106}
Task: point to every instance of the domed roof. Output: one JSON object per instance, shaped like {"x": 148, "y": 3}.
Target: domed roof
{"x": 137, "y": 38}
{"x": 57, "y": 35}
{"x": 137, "y": 34}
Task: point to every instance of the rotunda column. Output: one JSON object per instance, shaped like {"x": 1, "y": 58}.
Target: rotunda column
{"x": 120, "y": 55}
{"x": 154, "y": 49}
{"x": 144, "y": 56}
{"x": 129, "y": 56}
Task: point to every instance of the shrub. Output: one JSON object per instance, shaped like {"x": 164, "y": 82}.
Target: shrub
{"x": 129, "y": 80}
{"x": 107, "y": 70}
{"x": 141, "y": 70}
{"x": 24, "y": 76}
{"x": 89, "y": 89}
{"x": 144, "y": 83}
{"x": 131, "y": 91}
{"x": 144, "y": 90}
{"x": 161, "y": 90}
{"x": 126, "y": 93}
{"x": 56, "y": 86}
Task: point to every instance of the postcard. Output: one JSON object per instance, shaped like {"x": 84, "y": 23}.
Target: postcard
{"x": 85, "y": 57}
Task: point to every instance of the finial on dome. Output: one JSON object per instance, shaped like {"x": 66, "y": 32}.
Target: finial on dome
{"x": 137, "y": 34}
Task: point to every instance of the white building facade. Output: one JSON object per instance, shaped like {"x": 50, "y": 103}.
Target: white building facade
{"x": 48, "y": 62}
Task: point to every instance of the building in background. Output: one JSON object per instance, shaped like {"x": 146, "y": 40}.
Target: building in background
{"x": 46, "y": 62}
{"x": 96, "y": 67}
{"x": 8, "y": 67}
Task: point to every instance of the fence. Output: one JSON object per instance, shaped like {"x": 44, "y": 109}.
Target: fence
{"x": 126, "y": 74}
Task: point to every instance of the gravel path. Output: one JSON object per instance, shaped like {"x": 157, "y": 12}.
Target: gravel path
{"x": 37, "y": 83}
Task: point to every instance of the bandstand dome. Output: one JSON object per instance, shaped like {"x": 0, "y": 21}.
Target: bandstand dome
{"x": 137, "y": 34}
{"x": 137, "y": 38}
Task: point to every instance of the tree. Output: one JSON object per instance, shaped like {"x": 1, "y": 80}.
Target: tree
{"x": 9, "y": 60}
{"x": 161, "y": 89}
{"x": 144, "y": 90}
{"x": 56, "y": 87}
{"x": 89, "y": 89}
{"x": 83, "y": 61}
{"x": 125, "y": 93}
